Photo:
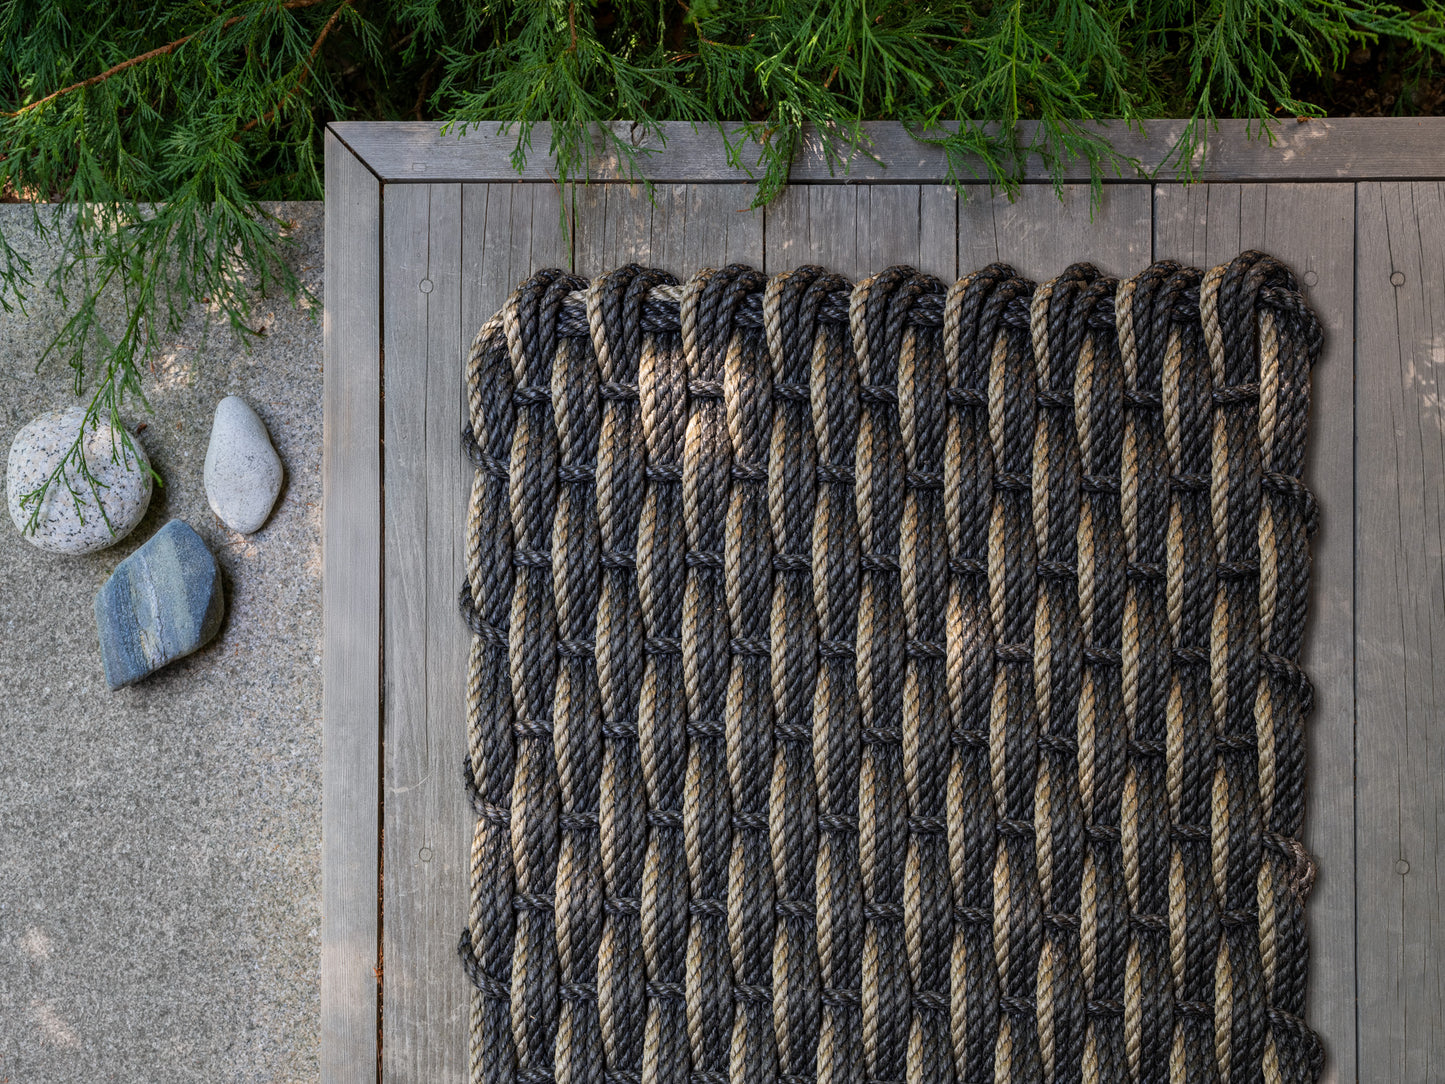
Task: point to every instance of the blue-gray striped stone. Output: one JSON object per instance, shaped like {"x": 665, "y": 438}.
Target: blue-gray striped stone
{"x": 161, "y": 603}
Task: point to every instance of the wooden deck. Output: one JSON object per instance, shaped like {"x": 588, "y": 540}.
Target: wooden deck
{"x": 425, "y": 235}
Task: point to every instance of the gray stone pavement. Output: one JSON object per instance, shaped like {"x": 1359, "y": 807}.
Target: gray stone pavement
{"x": 160, "y": 846}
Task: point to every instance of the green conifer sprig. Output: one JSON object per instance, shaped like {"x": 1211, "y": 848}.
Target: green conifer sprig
{"x": 161, "y": 129}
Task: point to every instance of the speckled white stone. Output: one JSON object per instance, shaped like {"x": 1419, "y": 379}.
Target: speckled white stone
{"x": 124, "y": 475}
{"x": 243, "y": 471}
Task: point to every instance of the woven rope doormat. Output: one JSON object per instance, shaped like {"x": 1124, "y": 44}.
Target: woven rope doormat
{"x": 890, "y": 682}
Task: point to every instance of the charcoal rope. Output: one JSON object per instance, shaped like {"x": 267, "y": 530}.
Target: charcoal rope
{"x": 891, "y": 681}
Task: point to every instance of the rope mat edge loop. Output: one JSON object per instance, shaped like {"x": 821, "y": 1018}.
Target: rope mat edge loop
{"x": 891, "y": 680}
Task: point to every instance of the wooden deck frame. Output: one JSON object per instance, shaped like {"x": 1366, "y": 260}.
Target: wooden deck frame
{"x": 425, "y": 234}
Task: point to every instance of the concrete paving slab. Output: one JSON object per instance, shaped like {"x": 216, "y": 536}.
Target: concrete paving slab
{"x": 160, "y": 846}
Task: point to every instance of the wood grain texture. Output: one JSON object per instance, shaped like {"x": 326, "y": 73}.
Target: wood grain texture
{"x": 1041, "y": 232}
{"x": 857, "y": 230}
{"x": 1323, "y": 150}
{"x": 508, "y": 232}
{"x": 452, "y": 253}
{"x": 427, "y": 819}
{"x": 351, "y": 606}
{"x": 1400, "y": 620}
{"x": 683, "y": 228}
{"x": 1312, "y": 228}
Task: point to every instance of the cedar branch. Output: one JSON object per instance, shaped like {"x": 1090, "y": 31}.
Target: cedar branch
{"x": 163, "y": 50}
{"x": 265, "y": 118}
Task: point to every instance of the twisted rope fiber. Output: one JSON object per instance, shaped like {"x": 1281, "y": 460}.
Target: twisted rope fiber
{"x": 891, "y": 681}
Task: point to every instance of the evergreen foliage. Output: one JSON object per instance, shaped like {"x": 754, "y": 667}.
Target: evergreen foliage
{"x": 161, "y": 128}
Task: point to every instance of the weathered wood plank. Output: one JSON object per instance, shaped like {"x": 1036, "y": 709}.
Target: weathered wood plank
{"x": 509, "y": 231}
{"x": 432, "y": 312}
{"x": 1312, "y": 228}
{"x": 1041, "y": 232}
{"x": 427, "y": 820}
{"x": 504, "y": 233}
{"x": 1400, "y": 620}
{"x": 686, "y": 227}
{"x": 351, "y": 594}
{"x": 1338, "y": 149}
{"x": 856, "y": 231}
